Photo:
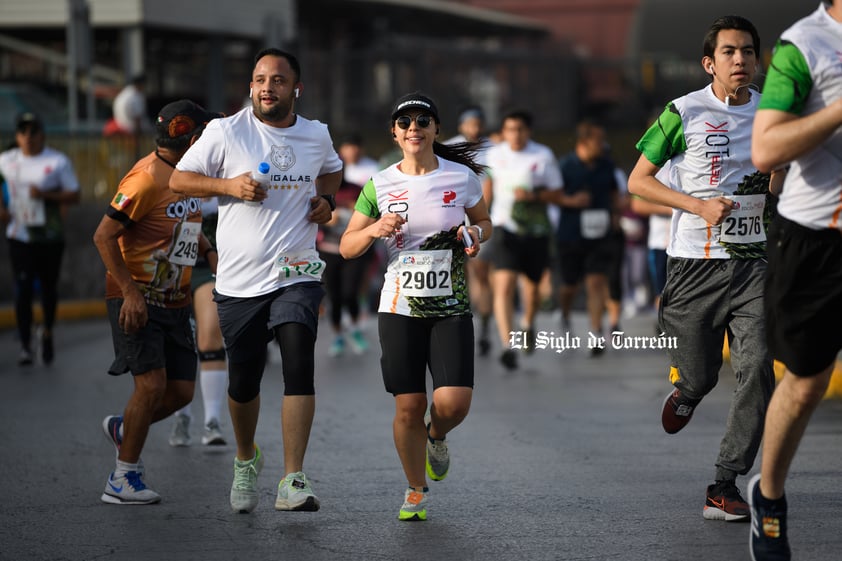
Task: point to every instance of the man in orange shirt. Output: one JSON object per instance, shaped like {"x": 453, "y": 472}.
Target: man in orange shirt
{"x": 149, "y": 240}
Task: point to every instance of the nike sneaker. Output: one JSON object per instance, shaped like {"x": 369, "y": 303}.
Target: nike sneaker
{"x": 724, "y": 502}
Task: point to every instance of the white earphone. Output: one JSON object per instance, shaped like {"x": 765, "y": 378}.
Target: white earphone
{"x": 251, "y": 92}
{"x": 296, "y": 92}
{"x": 710, "y": 68}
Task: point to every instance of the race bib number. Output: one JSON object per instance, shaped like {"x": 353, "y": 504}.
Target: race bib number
{"x": 745, "y": 223}
{"x": 425, "y": 273}
{"x": 595, "y": 223}
{"x": 305, "y": 264}
{"x": 186, "y": 247}
{"x": 28, "y": 211}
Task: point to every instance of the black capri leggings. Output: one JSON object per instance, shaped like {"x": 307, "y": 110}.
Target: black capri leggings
{"x": 31, "y": 261}
{"x": 344, "y": 282}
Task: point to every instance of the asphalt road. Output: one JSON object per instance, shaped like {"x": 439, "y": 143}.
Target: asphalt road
{"x": 564, "y": 459}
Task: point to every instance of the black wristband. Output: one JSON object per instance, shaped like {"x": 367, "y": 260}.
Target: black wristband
{"x": 331, "y": 200}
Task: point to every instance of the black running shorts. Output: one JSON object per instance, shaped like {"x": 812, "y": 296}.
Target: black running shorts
{"x": 409, "y": 345}
{"x": 247, "y": 323}
{"x": 525, "y": 254}
{"x": 803, "y": 296}
{"x": 166, "y": 341}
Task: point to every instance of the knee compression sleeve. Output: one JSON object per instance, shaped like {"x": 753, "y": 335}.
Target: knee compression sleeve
{"x": 244, "y": 378}
{"x": 209, "y": 356}
{"x": 297, "y": 344}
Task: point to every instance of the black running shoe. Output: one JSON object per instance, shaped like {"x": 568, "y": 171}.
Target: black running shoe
{"x": 484, "y": 346}
{"x": 509, "y": 359}
{"x": 529, "y": 347}
{"x": 724, "y": 502}
{"x": 767, "y": 539}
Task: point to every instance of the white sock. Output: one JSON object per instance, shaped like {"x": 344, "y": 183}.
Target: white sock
{"x": 186, "y": 410}
{"x": 123, "y": 467}
{"x": 214, "y": 389}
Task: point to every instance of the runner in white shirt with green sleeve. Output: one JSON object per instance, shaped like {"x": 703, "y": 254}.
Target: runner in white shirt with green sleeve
{"x": 716, "y": 262}
{"x": 418, "y": 206}
{"x": 799, "y": 124}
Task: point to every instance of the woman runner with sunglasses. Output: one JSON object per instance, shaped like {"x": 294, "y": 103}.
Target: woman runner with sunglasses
{"x": 418, "y": 207}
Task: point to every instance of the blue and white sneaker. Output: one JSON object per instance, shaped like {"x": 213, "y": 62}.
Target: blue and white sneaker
{"x": 128, "y": 489}
{"x": 358, "y": 343}
{"x": 112, "y": 426}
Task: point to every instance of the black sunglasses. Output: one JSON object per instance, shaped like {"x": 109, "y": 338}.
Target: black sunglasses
{"x": 422, "y": 121}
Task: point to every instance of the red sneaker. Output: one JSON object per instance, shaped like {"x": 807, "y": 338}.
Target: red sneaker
{"x": 677, "y": 412}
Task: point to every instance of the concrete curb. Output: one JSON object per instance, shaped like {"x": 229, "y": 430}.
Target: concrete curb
{"x": 834, "y": 390}
{"x": 69, "y": 310}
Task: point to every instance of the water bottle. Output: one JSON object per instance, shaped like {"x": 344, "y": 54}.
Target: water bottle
{"x": 261, "y": 175}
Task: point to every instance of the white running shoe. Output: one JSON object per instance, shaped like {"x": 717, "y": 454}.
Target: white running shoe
{"x": 244, "y": 495}
{"x": 294, "y": 493}
{"x": 180, "y": 435}
{"x": 128, "y": 489}
{"x": 213, "y": 435}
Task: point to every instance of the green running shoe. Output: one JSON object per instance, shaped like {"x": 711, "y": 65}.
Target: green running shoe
{"x": 244, "y": 495}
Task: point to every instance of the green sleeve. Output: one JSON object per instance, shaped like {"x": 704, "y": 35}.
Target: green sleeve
{"x": 664, "y": 139}
{"x": 367, "y": 201}
{"x": 788, "y": 82}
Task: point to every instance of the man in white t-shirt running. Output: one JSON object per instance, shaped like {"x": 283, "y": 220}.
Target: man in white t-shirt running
{"x": 520, "y": 170}
{"x": 268, "y": 282}
{"x": 716, "y": 252}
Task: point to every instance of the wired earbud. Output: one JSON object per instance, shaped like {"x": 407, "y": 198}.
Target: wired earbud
{"x": 296, "y": 93}
{"x": 251, "y": 92}
{"x": 710, "y": 70}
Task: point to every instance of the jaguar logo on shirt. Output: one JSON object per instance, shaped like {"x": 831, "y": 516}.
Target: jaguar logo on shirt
{"x": 283, "y": 157}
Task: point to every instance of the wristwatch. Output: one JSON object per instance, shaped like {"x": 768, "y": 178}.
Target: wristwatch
{"x": 331, "y": 200}
{"x": 480, "y": 233}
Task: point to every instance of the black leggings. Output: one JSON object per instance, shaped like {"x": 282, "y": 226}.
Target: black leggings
{"x": 343, "y": 280}
{"x": 31, "y": 261}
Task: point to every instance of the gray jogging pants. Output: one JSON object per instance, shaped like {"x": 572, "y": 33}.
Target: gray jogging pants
{"x": 702, "y": 300}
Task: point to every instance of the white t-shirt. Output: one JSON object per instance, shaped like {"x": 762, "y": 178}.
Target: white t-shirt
{"x": 360, "y": 172}
{"x": 534, "y": 166}
{"x": 129, "y": 105}
{"x": 812, "y": 190}
{"x": 48, "y": 171}
{"x": 263, "y": 247}
{"x": 432, "y": 204}
{"x": 714, "y": 157}
{"x": 659, "y": 224}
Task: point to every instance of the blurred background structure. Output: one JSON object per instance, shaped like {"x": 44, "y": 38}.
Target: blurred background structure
{"x": 617, "y": 61}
